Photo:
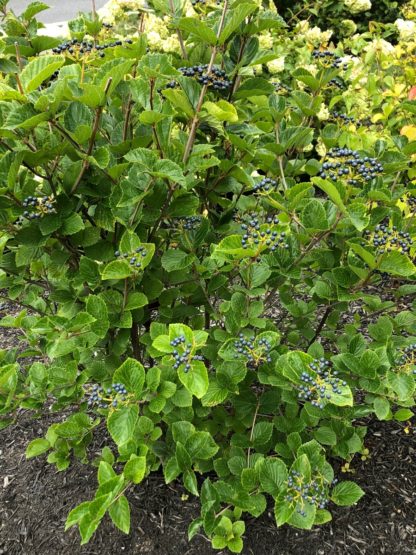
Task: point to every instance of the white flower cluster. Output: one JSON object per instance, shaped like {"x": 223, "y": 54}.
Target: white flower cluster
{"x": 406, "y": 28}
{"x": 312, "y": 35}
{"x": 357, "y": 6}
{"x": 276, "y": 66}
{"x": 317, "y": 36}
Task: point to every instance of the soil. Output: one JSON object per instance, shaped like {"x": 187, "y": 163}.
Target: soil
{"x": 35, "y": 500}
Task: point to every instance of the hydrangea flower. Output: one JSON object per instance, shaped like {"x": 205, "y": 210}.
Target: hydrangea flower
{"x": 406, "y": 28}
{"x": 357, "y": 6}
{"x": 276, "y": 66}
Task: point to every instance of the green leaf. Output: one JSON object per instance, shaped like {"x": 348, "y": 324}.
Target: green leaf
{"x": 381, "y": 408}
{"x": 136, "y": 300}
{"x": 131, "y": 375}
{"x": 272, "y": 474}
{"x": 77, "y": 514}
{"x": 72, "y": 225}
{"x": 33, "y": 9}
{"x": 403, "y": 414}
{"x": 117, "y": 269}
{"x": 262, "y": 433}
{"x": 397, "y": 264}
{"x": 221, "y": 110}
{"x": 135, "y": 469}
{"x": 314, "y": 216}
{"x": 346, "y": 493}
{"x": 235, "y": 18}
{"x": 179, "y": 100}
{"x": 201, "y": 445}
{"x": 121, "y": 424}
{"x": 357, "y": 213}
{"x": 169, "y": 170}
{"x": 326, "y": 436}
{"x": 196, "y": 380}
{"x": 38, "y": 70}
{"x": 332, "y": 192}
{"x": 175, "y": 259}
{"x": 37, "y": 447}
{"x": 198, "y": 29}
{"x": 119, "y": 513}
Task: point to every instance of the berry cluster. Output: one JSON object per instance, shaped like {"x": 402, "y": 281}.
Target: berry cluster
{"x": 386, "y": 239}
{"x": 255, "y": 353}
{"x": 39, "y": 207}
{"x": 102, "y": 398}
{"x": 190, "y": 223}
{"x": 345, "y": 163}
{"x": 134, "y": 259}
{"x": 281, "y": 88}
{"x": 385, "y": 278}
{"x": 410, "y": 201}
{"x": 299, "y": 492}
{"x": 318, "y": 388}
{"x": 345, "y": 119}
{"x": 329, "y": 59}
{"x": 75, "y": 47}
{"x": 337, "y": 83}
{"x": 184, "y": 356}
{"x": 265, "y": 185}
{"x": 256, "y": 236}
{"x": 216, "y": 78}
{"x": 407, "y": 361}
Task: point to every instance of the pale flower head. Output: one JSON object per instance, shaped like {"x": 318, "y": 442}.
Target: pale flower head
{"x": 321, "y": 148}
{"x": 302, "y": 26}
{"x": 380, "y": 45}
{"x": 349, "y": 26}
{"x": 357, "y": 6}
{"x": 154, "y": 40}
{"x": 266, "y": 41}
{"x": 316, "y": 36}
{"x": 406, "y": 28}
{"x": 323, "y": 113}
{"x": 276, "y": 66}
{"x": 171, "y": 44}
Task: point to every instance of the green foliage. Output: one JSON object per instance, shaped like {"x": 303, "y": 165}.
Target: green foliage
{"x": 188, "y": 251}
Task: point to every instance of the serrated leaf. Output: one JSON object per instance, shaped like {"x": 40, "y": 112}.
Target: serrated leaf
{"x": 346, "y": 493}
{"x": 38, "y": 70}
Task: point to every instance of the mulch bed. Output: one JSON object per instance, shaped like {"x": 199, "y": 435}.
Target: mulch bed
{"x": 35, "y": 500}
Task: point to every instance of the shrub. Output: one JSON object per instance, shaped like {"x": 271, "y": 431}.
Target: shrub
{"x": 334, "y": 13}
{"x": 186, "y": 235}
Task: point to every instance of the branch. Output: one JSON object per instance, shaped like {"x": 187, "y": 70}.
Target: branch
{"x": 97, "y": 120}
{"x": 178, "y": 32}
{"x": 195, "y": 121}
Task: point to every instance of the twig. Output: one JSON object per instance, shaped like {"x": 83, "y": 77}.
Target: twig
{"x": 97, "y": 120}
{"x": 280, "y": 160}
{"x": 321, "y": 324}
{"x": 195, "y": 121}
{"x": 20, "y": 64}
{"x": 178, "y": 32}
{"x": 252, "y": 431}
